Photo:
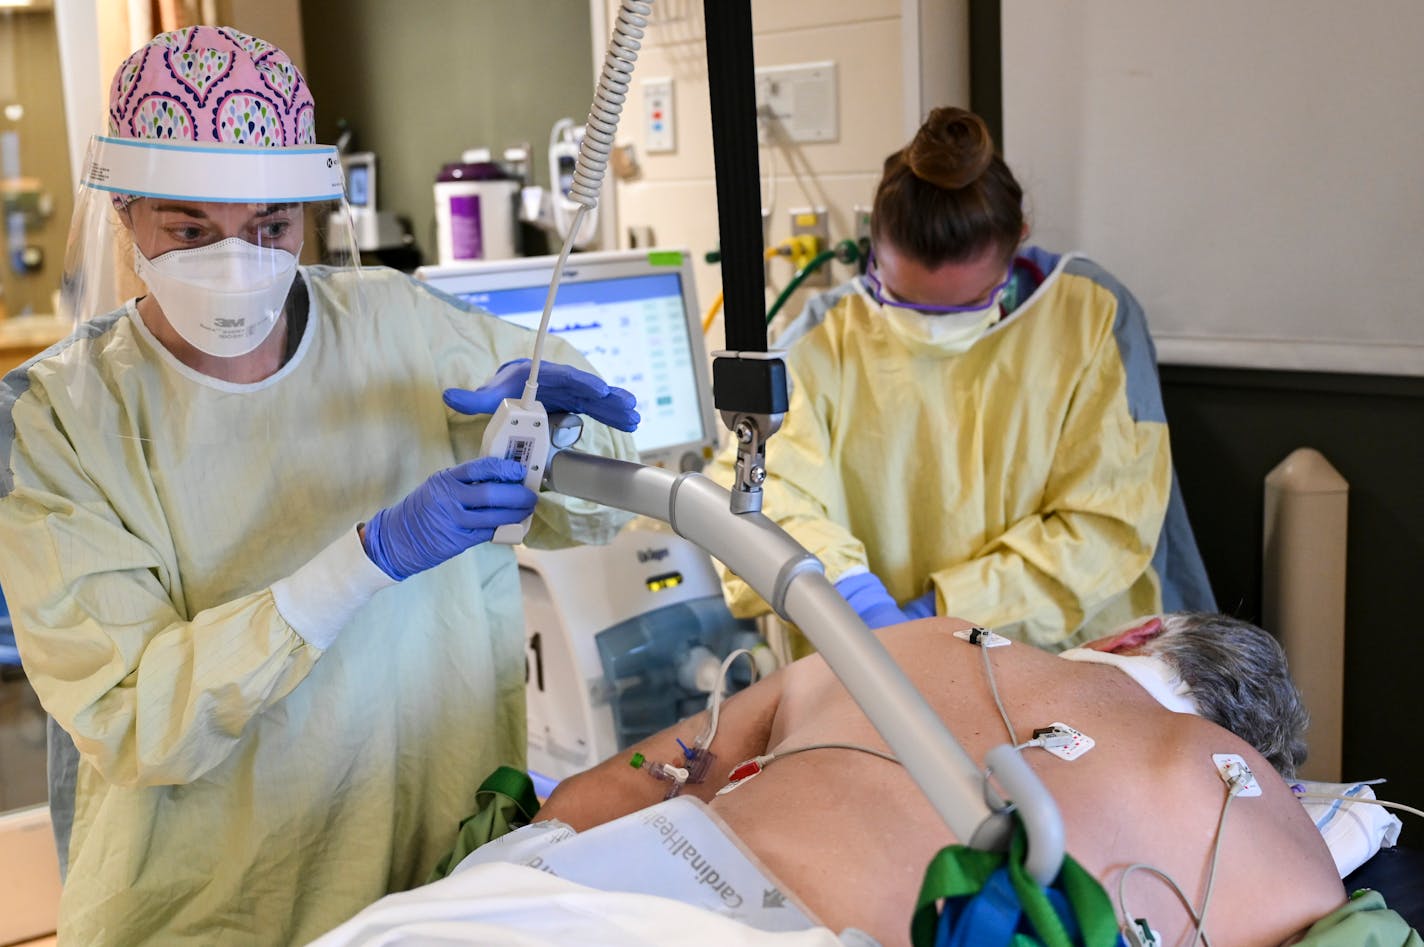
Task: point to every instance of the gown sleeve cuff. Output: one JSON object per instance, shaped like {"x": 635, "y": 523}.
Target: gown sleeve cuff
{"x": 322, "y": 596}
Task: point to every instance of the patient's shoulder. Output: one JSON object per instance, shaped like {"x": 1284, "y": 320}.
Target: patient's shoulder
{"x": 927, "y": 636}
{"x": 935, "y": 644}
{"x": 910, "y": 644}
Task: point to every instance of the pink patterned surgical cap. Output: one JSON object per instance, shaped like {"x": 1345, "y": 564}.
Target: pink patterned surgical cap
{"x": 211, "y": 84}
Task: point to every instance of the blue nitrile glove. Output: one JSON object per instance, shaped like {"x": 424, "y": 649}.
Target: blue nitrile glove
{"x": 867, "y": 595}
{"x": 922, "y": 607}
{"x": 455, "y": 509}
{"x": 561, "y": 388}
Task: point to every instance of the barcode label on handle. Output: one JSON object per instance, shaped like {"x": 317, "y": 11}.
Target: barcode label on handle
{"x": 519, "y": 450}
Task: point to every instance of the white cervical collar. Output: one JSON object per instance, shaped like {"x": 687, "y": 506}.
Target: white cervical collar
{"x": 1150, "y": 671}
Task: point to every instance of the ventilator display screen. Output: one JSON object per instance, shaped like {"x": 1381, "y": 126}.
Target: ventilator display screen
{"x": 360, "y": 169}
{"x": 358, "y": 186}
{"x": 629, "y": 317}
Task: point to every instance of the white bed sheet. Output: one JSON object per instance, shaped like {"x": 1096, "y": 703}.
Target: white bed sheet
{"x": 517, "y": 906}
{"x": 1353, "y": 831}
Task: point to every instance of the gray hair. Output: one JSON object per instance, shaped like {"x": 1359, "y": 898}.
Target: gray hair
{"x": 1238, "y": 676}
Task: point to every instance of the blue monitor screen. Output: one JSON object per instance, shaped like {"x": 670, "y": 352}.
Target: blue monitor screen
{"x": 633, "y": 330}
{"x": 358, "y": 180}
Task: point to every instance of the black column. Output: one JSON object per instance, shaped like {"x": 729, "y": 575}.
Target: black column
{"x": 732, "y": 87}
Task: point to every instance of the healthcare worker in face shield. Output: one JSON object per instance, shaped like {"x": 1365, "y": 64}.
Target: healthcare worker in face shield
{"x": 976, "y": 428}
{"x": 245, "y": 527}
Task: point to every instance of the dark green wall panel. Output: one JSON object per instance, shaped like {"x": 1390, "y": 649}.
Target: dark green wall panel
{"x": 1229, "y": 429}
{"x": 423, "y": 80}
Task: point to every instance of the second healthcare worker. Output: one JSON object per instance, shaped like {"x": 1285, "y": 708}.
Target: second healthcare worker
{"x": 280, "y": 712}
{"x": 978, "y": 430}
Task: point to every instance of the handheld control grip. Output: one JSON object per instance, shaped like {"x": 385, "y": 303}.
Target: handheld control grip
{"x": 521, "y": 434}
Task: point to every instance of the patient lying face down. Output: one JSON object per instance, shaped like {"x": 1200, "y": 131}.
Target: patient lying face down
{"x": 851, "y": 834}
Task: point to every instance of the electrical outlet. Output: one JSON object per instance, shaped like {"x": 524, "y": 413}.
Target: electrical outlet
{"x": 861, "y": 215}
{"x": 862, "y": 222}
{"x": 814, "y": 222}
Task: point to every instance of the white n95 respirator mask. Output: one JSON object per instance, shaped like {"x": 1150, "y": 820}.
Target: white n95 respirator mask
{"x": 224, "y": 298}
{"x": 949, "y": 333}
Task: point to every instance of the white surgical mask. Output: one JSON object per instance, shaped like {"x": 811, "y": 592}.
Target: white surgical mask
{"x": 224, "y": 298}
{"x": 1150, "y": 671}
{"x": 947, "y": 332}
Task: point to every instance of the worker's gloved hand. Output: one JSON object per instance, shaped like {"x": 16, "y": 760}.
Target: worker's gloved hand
{"x": 561, "y": 388}
{"x": 455, "y": 509}
{"x": 922, "y": 607}
{"x": 867, "y": 595}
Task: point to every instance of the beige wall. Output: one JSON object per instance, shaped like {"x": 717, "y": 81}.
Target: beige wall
{"x": 30, "y": 78}
{"x": 122, "y": 27}
{"x": 675, "y": 193}
{"x": 277, "y": 21}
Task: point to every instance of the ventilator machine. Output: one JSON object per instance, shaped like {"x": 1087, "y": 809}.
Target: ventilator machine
{"x": 623, "y": 639}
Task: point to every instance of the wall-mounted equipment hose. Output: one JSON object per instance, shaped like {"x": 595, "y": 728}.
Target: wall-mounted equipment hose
{"x": 846, "y": 252}
{"x": 716, "y": 306}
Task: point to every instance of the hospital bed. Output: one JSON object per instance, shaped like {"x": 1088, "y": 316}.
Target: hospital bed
{"x": 544, "y": 884}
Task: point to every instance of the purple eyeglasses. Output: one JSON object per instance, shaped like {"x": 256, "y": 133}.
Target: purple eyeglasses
{"x": 878, "y": 293}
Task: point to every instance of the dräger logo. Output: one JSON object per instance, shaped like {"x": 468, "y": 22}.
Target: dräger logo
{"x": 652, "y": 555}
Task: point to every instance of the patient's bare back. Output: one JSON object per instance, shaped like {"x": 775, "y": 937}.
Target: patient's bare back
{"x": 852, "y": 834}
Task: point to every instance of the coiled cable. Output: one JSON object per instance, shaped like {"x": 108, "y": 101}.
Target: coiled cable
{"x": 594, "y": 150}
{"x": 608, "y": 101}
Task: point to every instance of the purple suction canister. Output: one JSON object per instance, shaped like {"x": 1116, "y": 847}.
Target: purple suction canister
{"x": 472, "y": 196}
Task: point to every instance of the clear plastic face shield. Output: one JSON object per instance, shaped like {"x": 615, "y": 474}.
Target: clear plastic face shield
{"x": 209, "y": 240}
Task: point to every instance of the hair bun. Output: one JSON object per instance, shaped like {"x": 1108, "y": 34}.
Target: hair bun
{"x": 951, "y": 150}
